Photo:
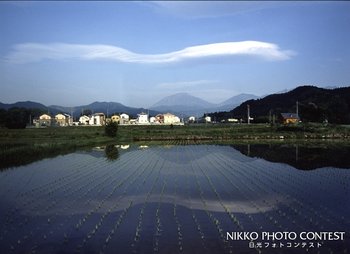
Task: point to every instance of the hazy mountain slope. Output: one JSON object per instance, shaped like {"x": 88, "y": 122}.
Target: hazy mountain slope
{"x": 315, "y": 104}
{"x": 23, "y": 104}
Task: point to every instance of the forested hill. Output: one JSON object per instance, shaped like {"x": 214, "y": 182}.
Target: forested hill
{"x": 315, "y": 105}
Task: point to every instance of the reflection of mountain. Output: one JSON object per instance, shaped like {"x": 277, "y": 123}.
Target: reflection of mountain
{"x": 300, "y": 156}
{"x": 184, "y": 154}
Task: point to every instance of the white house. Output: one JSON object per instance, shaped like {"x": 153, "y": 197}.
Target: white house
{"x": 61, "y": 120}
{"x": 97, "y": 119}
{"x": 142, "y": 118}
{"x": 192, "y": 119}
{"x": 45, "y": 120}
{"x": 84, "y": 120}
{"x": 124, "y": 118}
{"x": 171, "y": 119}
{"x": 152, "y": 119}
{"x": 207, "y": 119}
{"x": 69, "y": 119}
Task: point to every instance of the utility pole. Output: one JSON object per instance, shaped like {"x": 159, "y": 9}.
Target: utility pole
{"x": 248, "y": 113}
{"x": 71, "y": 115}
{"x": 297, "y": 109}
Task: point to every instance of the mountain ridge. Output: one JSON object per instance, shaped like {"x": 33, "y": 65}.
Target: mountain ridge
{"x": 187, "y": 104}
{"x": 315, "y": 104}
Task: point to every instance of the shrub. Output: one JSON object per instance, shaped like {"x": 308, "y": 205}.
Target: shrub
{"x": 111, "y": 129}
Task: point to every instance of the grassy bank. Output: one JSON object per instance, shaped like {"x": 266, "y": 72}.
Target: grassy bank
{"x": 19, "y": 147}
{"x": 218, "y": 132}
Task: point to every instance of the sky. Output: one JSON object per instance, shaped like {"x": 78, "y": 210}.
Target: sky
{"x": 138, "y": 52}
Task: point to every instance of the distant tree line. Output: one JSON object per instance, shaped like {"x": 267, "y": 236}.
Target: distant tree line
{"x": 18, "y": 118}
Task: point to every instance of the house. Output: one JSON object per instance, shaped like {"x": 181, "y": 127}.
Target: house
{"x": 142, "y": 118}
{"x": 207, "y": 119}
{"x": 115, "y": 119}
{"x": 63, "y": 119}
{"x": 45, "y": 120}
{"x": 124, "y": 119}
{"x": 289, "y": 118}
{"x": 159, "y": 118}
{"x": 98, "y": 119}
{"x": 84, "y": 120}
{"x": 153, "y": 119}
{"x": 171, "y": 119}
{"x": 191, "y": 119}
{"x": 69, "y": 119}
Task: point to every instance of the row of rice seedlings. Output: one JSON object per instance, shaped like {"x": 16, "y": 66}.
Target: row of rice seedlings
{"x": 116, "y": 226}
{"x": 27, "y": 236}
{"x": 212, "y": 218}
{"x": 312, "y": 221}
{"x": 194, "y": 217}
{"x": 214, "y": 164}
{"x": 106, "y": 214}
{"x": 296, "y": 199}
{"x": 55, "y": 202}
{"x": 52, "y": 204}
{"x": 269, "y": 218}
{"x": 306, "y": 203}
{"x": 121, "y": 217}
{"x": 303, "y": 218}
{"x": 119, "y": 184}
{"x": 261, "y": 188}
{"x": 178, "y": 225}
{"x": 311, "y": 178}
{"x": 138, "y": 230}
{"x": 29, "y": 197}
{"x": 158, "y": 223}
{"x": 246, "y": 176}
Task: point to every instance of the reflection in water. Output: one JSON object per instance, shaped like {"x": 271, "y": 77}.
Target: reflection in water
{"x": 303, "y": 157}
{"x": 111, "y": 152}
{"x": 179, "y": 199}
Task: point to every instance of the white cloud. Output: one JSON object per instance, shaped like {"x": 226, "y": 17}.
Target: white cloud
{"x": 35, "y": 52}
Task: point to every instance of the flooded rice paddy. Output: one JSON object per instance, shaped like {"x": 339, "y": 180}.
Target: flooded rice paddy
{"x": 175, "y": 199}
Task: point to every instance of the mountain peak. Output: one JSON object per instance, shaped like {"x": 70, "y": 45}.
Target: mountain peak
{"x": 183, "y": 99}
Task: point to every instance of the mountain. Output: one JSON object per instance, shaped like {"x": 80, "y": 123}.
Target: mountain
{"x": 315, "y": 105}
{"x": 182, "y": 103}
{"x": 186, "y": 104}
{"x": 23, "y": 104}
{"x": 104, "y": 107}
{"x": 234, "y": 101}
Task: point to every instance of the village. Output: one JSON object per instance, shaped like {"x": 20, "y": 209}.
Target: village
{"x": 100, "y": 119}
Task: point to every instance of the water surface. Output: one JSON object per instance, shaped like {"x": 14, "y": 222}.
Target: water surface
{"x": 171, "y": 199}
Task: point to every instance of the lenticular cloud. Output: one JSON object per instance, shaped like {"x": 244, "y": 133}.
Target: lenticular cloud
{"x": 35, "y": 52}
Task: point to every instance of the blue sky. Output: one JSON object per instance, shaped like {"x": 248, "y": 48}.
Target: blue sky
{"x": 136, "y": 53}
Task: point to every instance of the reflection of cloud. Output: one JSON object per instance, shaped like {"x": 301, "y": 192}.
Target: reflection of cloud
{"x": 235, "y": 206}
{"x": 36, "y": 52}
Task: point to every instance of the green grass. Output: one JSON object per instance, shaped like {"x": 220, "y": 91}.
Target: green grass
{"x": 221, "y": 132}
{"x": 19, "y": 147}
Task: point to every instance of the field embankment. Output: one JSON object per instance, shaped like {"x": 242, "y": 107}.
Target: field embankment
{"x": 19, "y": 147}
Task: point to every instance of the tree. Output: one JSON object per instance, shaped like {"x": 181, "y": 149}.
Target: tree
{"x": 111, "y": 129}
{"x": 17, "y": 118}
